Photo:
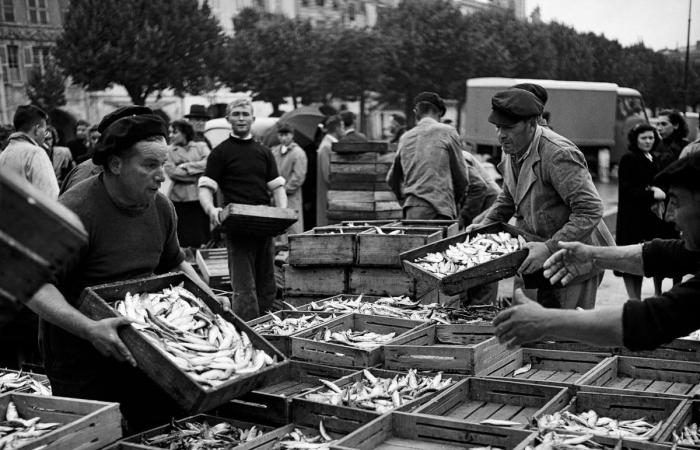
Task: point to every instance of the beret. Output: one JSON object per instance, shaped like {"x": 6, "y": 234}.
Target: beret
{"x": 124, "y": 111}
{"x": 126, "y": 131}
{"x": 513, "y": 105}
{"x": 684, "y": 172}
{"x": 433, "y": 99}
{"x": 539, "y": 91}
{"x": 285, "y": 128}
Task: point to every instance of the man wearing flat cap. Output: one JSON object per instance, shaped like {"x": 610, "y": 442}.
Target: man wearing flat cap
{"x": 429, "y": 174}
{"x": 637, "y": 325}
{"x": 132, "y": 233}
{"x": 292, "y": 164}
{"x": 548, "y": 189}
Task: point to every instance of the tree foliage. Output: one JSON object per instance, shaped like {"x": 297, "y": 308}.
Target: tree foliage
{"x": 46, "y": 87}
{"x": 146, "y": 46}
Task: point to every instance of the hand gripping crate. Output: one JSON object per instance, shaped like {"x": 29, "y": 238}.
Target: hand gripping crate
{"x": 283, "y": 343}
{"x": 460, "y": 348}
{"x": 96, "y": 302}
{"x": 399, "y": 430}
{"x": 304, "y": 347}
{"x": 646, "y": 376}
{"x": 476, "y": 400}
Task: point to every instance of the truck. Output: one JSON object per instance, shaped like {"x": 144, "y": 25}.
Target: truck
{"x": 593, "y": 115}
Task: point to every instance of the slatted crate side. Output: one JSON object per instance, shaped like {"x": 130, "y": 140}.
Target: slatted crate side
{"x": 449, "y": 227}
{"x": 365, "y": 298}
{"x": 340, "y": 420}
{"x": 283, "y": 342}
{"x": 359, "y": 216}
{"x": 350, "y": 200}
{"x": 297, "y": 302}
{"x": 380, "y": 281}
{"x": 257, "y": 219}
{"x": 270, "y": 441}
{"x": 360, "y": 147}
{"x": 367, "y": 223}
{"x": 323, "y": 246}
{"x": 375, "y": 249}
{"x": 213, "y": 265}
{"x": 96, "y": 301}
{"x": 645, "y": 375}
{"x": 384, "y": 325}
{"x": 678, "y": 349}
{"x": 307, "y": 281}
{"x": 354, "y": 158}
{"x": 687, "y": 415}
{"x": 86, "y": 424}
{"x": 570, "y": 346}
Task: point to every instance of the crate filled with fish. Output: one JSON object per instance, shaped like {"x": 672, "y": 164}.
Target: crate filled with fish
{"x": 399, "y": 430}
{"x": 466, "y": 260}
{"x": 36, "y": 421}
{"x": 201, "y": 432}
{"x": 270, "y": 403}
{"x": 462, "y": 348}
{"x": 497, "y": 402}
{"x": 26, "y": 382}
{"x": 329, "y": 245}
{"x": 293, "y": 436}
{"x": 555, "y": 367}
{"x": 354, "y": 340}
{"x": 682, "y": 429}
{"x": 279, "y": 327}
{"x": 381, "y": 246}
{"x": 616, "y": 416}
{"x": 647, "y": 376}
{"x": 448, "y": 227}
{"x": 562, "y": 440}
{"x": 182, "y": 338}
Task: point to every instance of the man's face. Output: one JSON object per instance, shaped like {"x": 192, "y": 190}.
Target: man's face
{"x": 81, "y": 131}
{"x": 241, "y": 119}
{"x": 285, "y": 138}
{"x": 515, "y": 139}
{"x": 664, "y": 126}
{"x": 141, "y": 171}
{"x": 684, "y": 211}
{"x": 39, "y": 131}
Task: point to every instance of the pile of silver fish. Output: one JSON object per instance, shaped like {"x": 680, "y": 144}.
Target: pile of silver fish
{"x": 379, "y": 394}
{"x": 694, "y": 336}
{"x": 16, "y": 432}
{"x": 11, "y": 381}
{"x": 207, "y": 347}
{"x": 297, "y": 439}
{"x": 688, "y": 435}
{"x": 589, "y": 422}
{"x": 202, "y": 436}
{"x": 479, "y": 249}
{"x": 558, "y": 441}
{"x": 362, "y": 339}
{"x": 290, "y": 325}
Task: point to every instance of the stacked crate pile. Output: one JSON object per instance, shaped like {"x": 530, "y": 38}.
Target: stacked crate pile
{"x": 358, "y": 189}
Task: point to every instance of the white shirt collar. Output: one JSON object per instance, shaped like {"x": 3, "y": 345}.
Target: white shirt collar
{"x": 247, "y": 138}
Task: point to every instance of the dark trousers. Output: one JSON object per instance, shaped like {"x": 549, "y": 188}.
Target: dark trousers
{"x": 251, "y": 266}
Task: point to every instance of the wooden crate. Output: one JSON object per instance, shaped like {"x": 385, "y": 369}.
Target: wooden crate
{"x": 42, "y": 379}
{"x": 362, "y": 216}
{"x": 37, "y": 235}
{"x": 449, "y": 227}
{"x": 678, "y": 349}
{"x": 258, "y": 220}
{"x": 360, "y": 147}
{"x": 366, "y": 223}
{"x": 295, "y": 302}
{"x": 461, "y": 348}
{"x": 474, "y": 400}
{"x": 348, "y": 297}
{"x": 626, "y": 407}
{"x": 311, "y": 281}
{"x": 398, "y": 430}
{"x": 570, "y": 346}
{"x": 493, "y": 270}
{"x": 213, "y": 265}
{"x": 86, "y": 424}
{"x": 555, "y": 367}
{"x": 647, "y": 376}
{"x": 270, "y": 441}
{"x": 307, "y": 349}
{"x": 284, "y": 343}
{"x": 95, "y": 302}
{"x": 687, "y": 415}
{"x": 380, "y": 281}
{"x": 375, "y": 249}
{"x": 329, "y": 246}
{"x": 271, "y": 403}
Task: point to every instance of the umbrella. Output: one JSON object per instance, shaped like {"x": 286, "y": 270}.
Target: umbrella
{"x": 305, "y": 121}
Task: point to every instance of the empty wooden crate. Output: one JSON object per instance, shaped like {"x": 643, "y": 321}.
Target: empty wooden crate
{"x": 331, "y": 246}
{"x": 257, "y": 220}
{"x": 382, "y": 246}
{"x": 213, "y": 265}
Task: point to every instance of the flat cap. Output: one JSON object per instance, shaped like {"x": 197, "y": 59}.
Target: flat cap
{"x": 125, "y": 127}
{"x": 285, "y": 128}
{"x": 539, "y": 91}
{"x": 433, "y": 99}
{"x": 684, "y": 172}
{"x": 514, "y": 105}
{"x": 124, "y": 111}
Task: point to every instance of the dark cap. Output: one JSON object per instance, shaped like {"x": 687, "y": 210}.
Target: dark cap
{"x": 124, "y": 111}
{"x": 348, "y": 117}
{"x": 125, "y": 127}
{"x": 539, "y": 91}
{"x": 514, "y": 105}
{"x": 333, "y": 122}
{"x": 684, "y": 172}
{"x": 399, "y": 118}
{"x": 285, "y": 128}
{"x": 433, "y": 99}
{"x": 198, "y": 112}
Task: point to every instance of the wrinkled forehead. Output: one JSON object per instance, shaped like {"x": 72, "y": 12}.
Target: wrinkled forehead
{"x": 152, "y": 148}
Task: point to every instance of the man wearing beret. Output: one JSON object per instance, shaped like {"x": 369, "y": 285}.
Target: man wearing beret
{"x": 548, "y": 189}
{"x": 132, "y": 233}
{"x": 636, "y": 325}
{"x": 429, "y": 174}
{"x": 246, "y": 172}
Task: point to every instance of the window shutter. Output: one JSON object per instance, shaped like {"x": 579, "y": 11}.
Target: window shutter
{"x": 28, "y": 56}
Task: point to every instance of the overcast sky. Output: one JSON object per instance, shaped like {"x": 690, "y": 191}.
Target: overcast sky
{"x": 657, "y": 23}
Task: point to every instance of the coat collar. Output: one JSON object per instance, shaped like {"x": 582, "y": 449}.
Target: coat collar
{"x": 527, "y": 176}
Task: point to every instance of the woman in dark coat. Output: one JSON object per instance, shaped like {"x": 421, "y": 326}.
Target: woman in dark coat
{"x": 636, "y": 222}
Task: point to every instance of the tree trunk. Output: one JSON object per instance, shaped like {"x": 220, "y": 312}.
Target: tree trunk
{"x": 138, "y": 94}
{"x": 363, "y": 125}
{"x": 408, "y": 110}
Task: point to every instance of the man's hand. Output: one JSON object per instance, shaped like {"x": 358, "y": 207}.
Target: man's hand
{"x": 103, "y": 335}
{"x": 522, "y": 323}
{"x": 215, "y": 216}
{"x": 574, "y": 259}
{"x": 658, "y": 193}
{"x": 473, "y": 227}
{"x": 536, "y": 256}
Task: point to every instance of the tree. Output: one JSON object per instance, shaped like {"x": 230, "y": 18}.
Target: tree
{"x": 46, "y": 87}
{"x": 144, "y": 45}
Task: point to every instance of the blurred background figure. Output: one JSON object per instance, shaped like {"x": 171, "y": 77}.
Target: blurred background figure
{"x": 187, "y": 160}
{"x": 397, "y": 127}
{"x": 60, "y": 157}
{"x": 351, "y": 134}
{"x": 198, "y": 118}
{"x": 80, "y": 146}
{"x": 334, "y": 131}
{"x": 636, "y": 222}
{"x": 292, "y": 165}
{"x": 94, "y": 136}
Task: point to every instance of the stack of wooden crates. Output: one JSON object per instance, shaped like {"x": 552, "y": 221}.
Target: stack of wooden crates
{"x": 358, "y": 188}
{"x": 358, "y": 258}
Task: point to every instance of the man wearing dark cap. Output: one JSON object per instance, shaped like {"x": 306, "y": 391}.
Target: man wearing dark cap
{"x": 429, "y": 174}
{"x": 637, "y": 325}
{"x": 132, "y": 233}
{"x": 351, "y": 134}
{"x": 291, "y": 164}
{"x": 548, "y": 189}
{"x": 542, "y": 96}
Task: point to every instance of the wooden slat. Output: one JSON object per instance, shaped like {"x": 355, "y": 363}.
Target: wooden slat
{"x": 314, "y": 280}
{"x": 360, "y": 147}
{"x": 374, "y": 249}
